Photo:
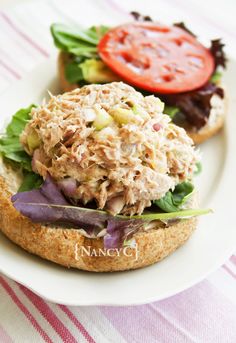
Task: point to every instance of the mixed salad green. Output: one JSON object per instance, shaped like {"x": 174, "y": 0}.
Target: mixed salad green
{"x": 12, "y": 150}
{"x": 85, "y": 65}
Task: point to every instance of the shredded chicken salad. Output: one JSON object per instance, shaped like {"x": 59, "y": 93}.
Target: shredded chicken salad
{"x": 109, "y": 144}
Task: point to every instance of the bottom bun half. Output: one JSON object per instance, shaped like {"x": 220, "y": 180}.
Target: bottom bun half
{"x": 69, "y": 248}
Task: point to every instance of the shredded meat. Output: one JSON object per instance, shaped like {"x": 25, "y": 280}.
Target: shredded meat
{"x": 132, "y": 162}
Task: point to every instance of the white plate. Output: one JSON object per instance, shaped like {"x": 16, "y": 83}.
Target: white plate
{"x": 209, "y": 247}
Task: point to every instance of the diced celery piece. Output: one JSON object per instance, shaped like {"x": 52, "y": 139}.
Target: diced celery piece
{"x": 123, "y": 115}
{"x": 33, "y": 140}
{"x": 103, "y": 119}
{"x": 160, "y": 105}
{"x": 138, "y": 110}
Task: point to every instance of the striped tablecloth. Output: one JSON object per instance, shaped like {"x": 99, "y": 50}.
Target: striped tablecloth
{"x": 204, "y": 313}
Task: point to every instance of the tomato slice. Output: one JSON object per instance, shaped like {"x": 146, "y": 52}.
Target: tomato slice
{"x": 156, "y": 57}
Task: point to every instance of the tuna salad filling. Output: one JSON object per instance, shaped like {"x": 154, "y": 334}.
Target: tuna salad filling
{"x": 103, "y": 160}
{"x": 110, "y": 145}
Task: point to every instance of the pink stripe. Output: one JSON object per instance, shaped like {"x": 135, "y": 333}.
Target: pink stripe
{"x": 77, "y": 323}
{"x": 229, "y": 271}
{"x": 233, "y": 259}
{"x": 199, "y": 314}
{"x": 10, "y": 70}
{"x": 23, "y": 35}
{"x": 4, "y": 337}
{"x": 11, "y": 61}
{"x": 15, "y": 40}
{"x": 24, "y": 310}
{"x": 49, "y": 315}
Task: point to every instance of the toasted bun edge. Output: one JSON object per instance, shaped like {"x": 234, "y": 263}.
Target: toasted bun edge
{"x": 61, "y": 245}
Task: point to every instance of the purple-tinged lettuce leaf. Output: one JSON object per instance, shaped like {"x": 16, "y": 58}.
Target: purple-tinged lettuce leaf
{"x": 182, "y": 26}
{"x": 48, "y": 205}
{"x": 120, "y": 230}
{"x": 218, "y": 53}
{"x": 49, "y": 194}
{"x": 68, "y": 186}
{"x": 139, "y": 17}
{"x": 195, "y": 105}
{"x": 77, "y": 217}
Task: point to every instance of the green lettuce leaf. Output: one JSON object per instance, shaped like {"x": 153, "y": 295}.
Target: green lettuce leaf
{"x": 77, "y": 41}
{"x": 73, "y": 73}
{"x": 21, "y": 158}
{"x": 18, "y": 122}
{"x": 199, "y": 169}
{"x": 30, "y": 181}
{"x": 82, "y": 44}
{"x": 173, "y": 201}
{"x": 216, "y": 77}
{"x": 171, "y": 215}
{"x": 12, "y": 150}
{"x": 171, "y": 111}
{"x": 10, "y": 146}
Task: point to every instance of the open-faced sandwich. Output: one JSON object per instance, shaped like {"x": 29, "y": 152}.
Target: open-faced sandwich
{"x": 98, "y": 169}
{"x": 168, "y": 61}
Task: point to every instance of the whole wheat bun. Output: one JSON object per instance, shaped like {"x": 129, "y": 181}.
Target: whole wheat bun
{"x": 198, "y": 136}
{"x": 206, "y": 132}
{"x": 58, "y": 244}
